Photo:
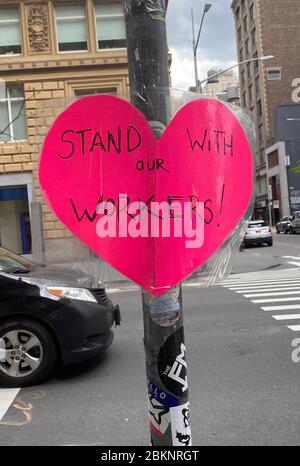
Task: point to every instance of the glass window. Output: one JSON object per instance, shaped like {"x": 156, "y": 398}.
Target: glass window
{"x": 249, "y": 69}
{"x": 241, "y": 54}
{"x": 259, "y": 108}
{"x": 240, "y": 34}
{"x": 71, "y": 28}
{"x": 79, "y": 93}
{"x": 10, "y": 40}
{"x": 243, "y": 76}
{"x": 252, "y": 12}
{"x": 12, "y": 114}
{"x": 273, "y": 74}
{"x": 250, "y": 92}
{"x": 110, "y": 24}
{"x": 247, "y": 47}
{"x": 253, "y": 36}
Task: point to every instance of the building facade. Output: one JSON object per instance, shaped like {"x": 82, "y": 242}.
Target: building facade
{"x": 269, "y": 28}
{"x": 51, "y": 53}
{"x": 226, "y": 81}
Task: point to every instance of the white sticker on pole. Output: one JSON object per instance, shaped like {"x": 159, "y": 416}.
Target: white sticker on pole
{"x": 181, "y": 426}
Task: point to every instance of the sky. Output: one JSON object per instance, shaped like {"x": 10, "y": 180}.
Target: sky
{"x": 217, "y": 46}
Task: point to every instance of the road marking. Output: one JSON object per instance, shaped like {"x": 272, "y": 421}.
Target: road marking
{"x": 283, "y": 284}
{"x": 7, "y": 396}
{"x": 253, "y": 282}
{"x": 297, "y": 258}
{"x": 261, "y": 295}
{"x": 275, "y": 300}
{"x": 287, "y": 317}
{"x": 247, "y": 290}
{"x": 295, "y": 328}
{"x": 281, "y": 308}
{"x": 263, "y": 285}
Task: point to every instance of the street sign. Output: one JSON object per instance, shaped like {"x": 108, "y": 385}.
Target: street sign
{"x": 142, "y": 204}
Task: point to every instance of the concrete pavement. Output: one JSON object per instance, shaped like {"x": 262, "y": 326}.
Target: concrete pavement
{"x": 243, "y": 382}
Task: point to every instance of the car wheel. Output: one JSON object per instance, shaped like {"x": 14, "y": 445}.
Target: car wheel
{"x": 278, "y": 232}
{"x": 27, "y": 353}
{"x": 270, "y": 243}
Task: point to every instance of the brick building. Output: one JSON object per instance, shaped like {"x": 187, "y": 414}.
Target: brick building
{"x": 265, "y": 27}
{"x": 50, "y": 54}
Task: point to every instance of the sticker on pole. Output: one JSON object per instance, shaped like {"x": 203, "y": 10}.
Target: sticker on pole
{"x": 154, "y": 210}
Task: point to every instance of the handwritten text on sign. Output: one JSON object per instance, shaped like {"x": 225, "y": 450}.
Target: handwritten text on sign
{"x": 155, "y": 210}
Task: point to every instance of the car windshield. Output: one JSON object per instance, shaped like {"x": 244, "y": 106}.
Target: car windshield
{"x": 12, "y": 263}
{"x": 257, "y": 224}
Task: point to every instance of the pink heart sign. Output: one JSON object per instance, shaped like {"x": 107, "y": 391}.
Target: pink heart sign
{"x": 154, "y": 210}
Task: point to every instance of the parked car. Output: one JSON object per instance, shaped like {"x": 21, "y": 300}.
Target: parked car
{"x": 284, "y": 225}
{"x": 258, "y": 232}
{"x": 295, "y": 225}
{"x": 46, "y": 319}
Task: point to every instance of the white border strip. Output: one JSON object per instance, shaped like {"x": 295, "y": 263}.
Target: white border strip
{"x": 7, "y": 397}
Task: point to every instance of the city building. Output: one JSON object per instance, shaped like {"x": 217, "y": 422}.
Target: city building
{"x": 50, "y": 54}
{"x": 271, "y": 28}
{"x": 227, "y": 82}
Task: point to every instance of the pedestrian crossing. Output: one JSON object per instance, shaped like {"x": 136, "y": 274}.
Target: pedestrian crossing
{"x": 276, "y": 292}
{"x": 292, "y": 260}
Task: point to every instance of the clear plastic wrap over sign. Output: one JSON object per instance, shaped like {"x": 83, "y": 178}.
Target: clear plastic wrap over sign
{"x": 159, "y": 212}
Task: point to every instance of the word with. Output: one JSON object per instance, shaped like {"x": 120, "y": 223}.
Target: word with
{"x": 86, "y": 141}
{"x": 216, "y": 141}
{"x": 296, "y": 352}
{"x": 179, "y": 366}
{"x": 110, "y": 225}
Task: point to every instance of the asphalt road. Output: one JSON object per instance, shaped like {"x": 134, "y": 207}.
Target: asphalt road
{"x": 243, "y": 382}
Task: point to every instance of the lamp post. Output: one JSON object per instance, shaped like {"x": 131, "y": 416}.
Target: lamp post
{"x": 262, "y": 59}
{"x": 207, "y": 7}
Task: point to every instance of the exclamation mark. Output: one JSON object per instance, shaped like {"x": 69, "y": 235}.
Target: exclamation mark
{"x": 222, "y": 199}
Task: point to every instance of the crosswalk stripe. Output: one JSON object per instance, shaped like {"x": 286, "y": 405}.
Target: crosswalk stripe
{"x": 281, "y": 308}
{"x": 259, "y": 280}
{"x": 247, "y": 290}
{"x": 261, "y": 295}
{"x": 295, "y": 263}
{"x": 287, "y": 317}
{"x": 295, "y": 328}
{"x": 264, "y": 284}
{"x": 272, "y": 287}
{"x": 275, "y": 300}
{"x": 297, "y": 258}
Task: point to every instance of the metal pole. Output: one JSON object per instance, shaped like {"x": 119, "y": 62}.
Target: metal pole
{"x": 163, "y": 317}
{"x": 195, "y": 54}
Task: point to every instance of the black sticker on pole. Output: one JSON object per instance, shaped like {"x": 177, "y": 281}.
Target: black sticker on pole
{"x": 172, "y": 367}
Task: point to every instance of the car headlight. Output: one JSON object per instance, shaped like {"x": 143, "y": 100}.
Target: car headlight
{"x": 80, "y": 294}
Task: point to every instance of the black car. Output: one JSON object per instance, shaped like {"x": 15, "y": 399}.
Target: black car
{"x": 284, "y": 225}
{"x": 43, "y": 321}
